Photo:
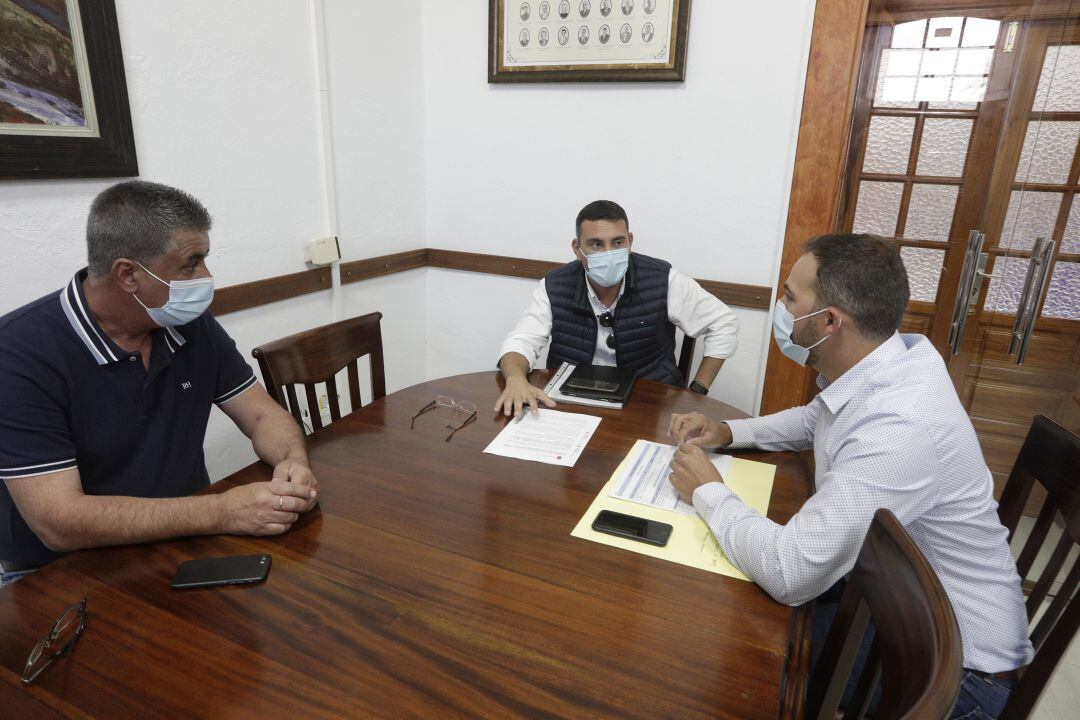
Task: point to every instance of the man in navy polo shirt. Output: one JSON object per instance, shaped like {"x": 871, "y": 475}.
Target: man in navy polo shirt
{"x": 107, "y": 388}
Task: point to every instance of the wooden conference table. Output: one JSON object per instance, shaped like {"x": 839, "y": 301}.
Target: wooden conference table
{"x": 433, "y": 581}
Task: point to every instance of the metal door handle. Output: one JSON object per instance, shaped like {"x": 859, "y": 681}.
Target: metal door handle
{"x": 1038, "y": 288}
{"x": 963, "y": 292}
{"x": 1021, "y": 309}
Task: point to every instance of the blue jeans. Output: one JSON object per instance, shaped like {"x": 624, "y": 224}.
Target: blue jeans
{"x": 980, "y": 698}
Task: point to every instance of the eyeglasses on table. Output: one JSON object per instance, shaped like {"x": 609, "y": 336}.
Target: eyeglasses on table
{"x": 444, "y": 405}
{"x": 59, "y": 642}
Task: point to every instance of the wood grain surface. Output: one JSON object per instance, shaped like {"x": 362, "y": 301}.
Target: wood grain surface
{"x": 433, "y": 581}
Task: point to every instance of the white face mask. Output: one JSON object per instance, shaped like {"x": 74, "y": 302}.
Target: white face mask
{"x": 608, "y": 268}
{"x": 783, "y": 325}
{"x": 188, "y": 299}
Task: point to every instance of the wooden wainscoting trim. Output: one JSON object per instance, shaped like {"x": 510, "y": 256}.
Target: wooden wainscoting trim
{"x": 490, "y": 264}
{"x": 751, "y": 296}
{"x": 358, "y": 270}
{"x": 260, "y": 292}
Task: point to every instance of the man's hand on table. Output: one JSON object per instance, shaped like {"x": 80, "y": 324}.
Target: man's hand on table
{"x": 699, "y": 430}
{"x": 690, "y": 469}
{"x": 298, "y": 472}
{"x": 265, "y": 508}
{"x": 517, "y": 394}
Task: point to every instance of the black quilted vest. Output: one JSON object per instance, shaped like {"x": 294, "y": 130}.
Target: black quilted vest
{"x": 644, "y": 337}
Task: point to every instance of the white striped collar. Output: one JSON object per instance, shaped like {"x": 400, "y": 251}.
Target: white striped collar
{"x": 100, "y": 345}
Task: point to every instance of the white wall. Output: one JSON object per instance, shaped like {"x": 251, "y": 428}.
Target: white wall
{"x": 703, "y": 168}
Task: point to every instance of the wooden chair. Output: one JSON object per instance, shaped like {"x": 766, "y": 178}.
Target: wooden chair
{"x": 1050, "y": 456}
{"x": 916, "y": 652}
{"x": 316, "y": 356}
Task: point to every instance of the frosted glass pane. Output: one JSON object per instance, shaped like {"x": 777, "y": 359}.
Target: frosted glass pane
{"x": 933, "y": 88}
{"x": 1059, "y": 81}
{"x": 974, "y": 61}
{"x": 938, "y": 62}
{"x": 1070, "y": 243}
{"x": 902, "y": 87}
{"x": 1048, "y": 152}
{"x": 877, "y": 208}
{"x": 930, "y": 212}
{"x": 909, "y": 34}
{"x": 901, "y": 62}
{"x": 1063, "y": 295}
{"x": 968, "y": 89}
{"x": 897, "y": 90}
{"x": 944, "y": 147}
{"x": 980, "y": 32}
{"x": 953, "y": 105}
{"x": 944, "y": 32}
{"x": 924, "y": 271}
{"x": 1003, "y": 295}
{"x": 888, "y": 144}
{"x": 1030, "y": 215}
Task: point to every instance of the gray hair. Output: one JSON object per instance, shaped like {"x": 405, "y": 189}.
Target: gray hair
{"x": 136, "y": 220}
{"x": 864, "y": 276}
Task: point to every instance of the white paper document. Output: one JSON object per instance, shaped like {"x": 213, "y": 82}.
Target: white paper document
{"x": 644, "y": 477}
{"x": 552, "y": 437}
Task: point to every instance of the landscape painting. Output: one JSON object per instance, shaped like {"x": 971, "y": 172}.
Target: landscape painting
{"x": 44, "y": 78}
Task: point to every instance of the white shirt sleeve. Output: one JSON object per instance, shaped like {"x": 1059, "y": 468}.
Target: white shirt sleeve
{"x": 700, "y": 315}
{"x": 533, "y": 329}
{"x": 791, "y": 429}
{"x": 798, "y": 561}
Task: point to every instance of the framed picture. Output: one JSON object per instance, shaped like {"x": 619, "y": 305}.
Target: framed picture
{"x": 587, "y": 40}
{"x": 63, "y": 95}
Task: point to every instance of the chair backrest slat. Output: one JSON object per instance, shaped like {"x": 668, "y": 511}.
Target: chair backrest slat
{"x": 1053, "y": 613}
{"x": 332, "y": 398}
{"x": 316, "y": 356}
{"x": 1050, "y": 457}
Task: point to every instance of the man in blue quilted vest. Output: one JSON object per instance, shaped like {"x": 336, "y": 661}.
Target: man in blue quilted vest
{"x": 613, "y": 307}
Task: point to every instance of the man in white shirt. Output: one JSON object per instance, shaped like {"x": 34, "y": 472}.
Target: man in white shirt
{"x": 613, "y": 307}
{"x": 887, "y": 430}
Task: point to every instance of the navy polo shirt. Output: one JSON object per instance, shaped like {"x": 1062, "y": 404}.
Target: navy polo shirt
{"x": 71, "y": 398}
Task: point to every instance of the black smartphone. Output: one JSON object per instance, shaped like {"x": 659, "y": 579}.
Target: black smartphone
{"x": 591, "y": 384}
{"x": 632, "y": 528}
{"x": 208, "y": 572}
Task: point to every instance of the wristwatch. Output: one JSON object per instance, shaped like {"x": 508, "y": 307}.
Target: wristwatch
{"x": 698, "y": 388}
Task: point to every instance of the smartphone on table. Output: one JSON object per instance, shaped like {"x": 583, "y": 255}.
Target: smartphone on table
{"x": 209, "y": 572}
{"x": 631, "y": 527}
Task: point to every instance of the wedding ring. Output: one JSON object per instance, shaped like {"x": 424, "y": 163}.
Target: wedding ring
{"x": 281, "y": 502}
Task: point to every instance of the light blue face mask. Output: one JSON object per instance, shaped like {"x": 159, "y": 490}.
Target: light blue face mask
{"x": 188, "y": 299}
{"x": 608, "y": 268}
{"x": 784, "y": 324}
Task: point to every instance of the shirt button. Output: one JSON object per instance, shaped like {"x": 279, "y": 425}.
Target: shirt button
{"x": 132, "y": 358}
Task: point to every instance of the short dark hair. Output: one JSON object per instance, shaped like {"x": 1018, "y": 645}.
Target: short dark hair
{"x": 864, "y": 276}
{"x": 136, "y": 219}
{"x": 600, "y": 210}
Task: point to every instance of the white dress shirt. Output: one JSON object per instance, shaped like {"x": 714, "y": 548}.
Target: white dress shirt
{"x": 890, "y": 432}
{"x": 694, "y": 311}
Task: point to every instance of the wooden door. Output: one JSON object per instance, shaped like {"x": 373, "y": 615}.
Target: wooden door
{"x": 969, "y": 122}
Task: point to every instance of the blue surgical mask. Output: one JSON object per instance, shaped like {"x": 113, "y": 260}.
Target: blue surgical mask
{"x": 188, "y": 299}
{"x": 608, "y": 268}
{"x": 783, "y": 325}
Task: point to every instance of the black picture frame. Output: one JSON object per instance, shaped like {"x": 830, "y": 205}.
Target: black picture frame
{"x": 112, "y": 153}
{"x": 674, "y": 70}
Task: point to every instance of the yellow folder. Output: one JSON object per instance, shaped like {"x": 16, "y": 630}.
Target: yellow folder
{"x": 691, "y": 542}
